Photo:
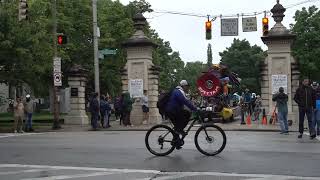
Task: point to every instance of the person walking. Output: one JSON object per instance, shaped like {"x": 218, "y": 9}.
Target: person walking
{"x": 282, "y": 99}
{"x": 145, "y": 107}
{"x": 94, "y": 109}
{"x": 103, "y": 109}
{"x": 305, "y": 98}
{"x": 107, "y": 110}
{"x": 316, "y": 115}
{"x": 117, "y": 108}
{"x": 18, "y": 116}
{"x": 28, "y": 108}
{"x": 126, "y": 109}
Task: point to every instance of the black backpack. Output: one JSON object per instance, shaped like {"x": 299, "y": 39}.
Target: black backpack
{"x": 163, "y": 100}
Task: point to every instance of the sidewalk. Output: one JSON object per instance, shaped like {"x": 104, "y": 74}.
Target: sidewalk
{"x": 115, "y": 126}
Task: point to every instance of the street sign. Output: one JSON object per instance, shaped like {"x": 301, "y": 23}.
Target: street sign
{"x": 229, "y": 27}
{"x": 57, "y": 80}
{"x": 57, "y": 65}
{"x": 249, "y": 24}
{"x": 105, "y": 52}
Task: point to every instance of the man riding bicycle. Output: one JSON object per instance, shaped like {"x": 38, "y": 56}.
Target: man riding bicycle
{"x": 175, "y": 107}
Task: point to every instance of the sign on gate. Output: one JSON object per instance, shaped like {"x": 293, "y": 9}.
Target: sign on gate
{"x": 136, "y": 87}
{"x": 249, "y": 24}
{"x": 229, "y": 27}
{"x": 279, "y": 80}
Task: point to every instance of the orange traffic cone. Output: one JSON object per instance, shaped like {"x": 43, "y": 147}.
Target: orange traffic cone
{"x": 249, "y": 119}
{"x": 264, "y": 118}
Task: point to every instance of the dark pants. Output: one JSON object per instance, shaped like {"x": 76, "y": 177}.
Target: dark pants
{"x": 179, "y": 119}
{"x": 302, "y": 113}
{"x": 126, "y": 118}
{"x": 94, "y": 120}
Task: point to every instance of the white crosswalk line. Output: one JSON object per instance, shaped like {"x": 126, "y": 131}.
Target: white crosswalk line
{"x": 6, "y": 135}
{"x": 71, "y": 176}
{"x": 22, "y": 171}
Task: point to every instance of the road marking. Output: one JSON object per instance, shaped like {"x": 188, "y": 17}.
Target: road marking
{"x": 19, "y": 172}
{"x": 6, "y": 135}
{"x": 166, "y": 175}
{"x": 308, "y": 134}
{"x": 78, "y": 168}
{"x": 71, "y": 176}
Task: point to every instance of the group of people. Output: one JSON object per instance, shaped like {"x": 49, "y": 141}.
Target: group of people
{"x": 23, "y": 110}
{"x": 308, "y": 99}
{"x": 122, "y": 107}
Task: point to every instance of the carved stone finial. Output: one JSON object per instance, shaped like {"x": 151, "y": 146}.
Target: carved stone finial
{"x": 278, "y": 12}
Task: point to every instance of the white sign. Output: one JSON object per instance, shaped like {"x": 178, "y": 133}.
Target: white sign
{"x": 136, "y": 87}
{"x": 278, "y": 81}
{"x": 249, "y": 24}
{"x": 57, "y": 80}
{"x": 229, "y": 27}
{"x": 57, "y": 65}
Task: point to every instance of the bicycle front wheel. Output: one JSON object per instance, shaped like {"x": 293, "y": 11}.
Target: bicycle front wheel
{"x": 159, "y": 140}
{"x": 210, "y": 139}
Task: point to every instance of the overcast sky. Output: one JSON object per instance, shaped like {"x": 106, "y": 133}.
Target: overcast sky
{"x": 187, "y": 34}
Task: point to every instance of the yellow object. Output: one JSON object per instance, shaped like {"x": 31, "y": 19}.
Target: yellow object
{"x": 226, "y": 113}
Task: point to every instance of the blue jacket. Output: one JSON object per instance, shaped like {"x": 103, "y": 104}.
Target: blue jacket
{"x": 177, "y": 101}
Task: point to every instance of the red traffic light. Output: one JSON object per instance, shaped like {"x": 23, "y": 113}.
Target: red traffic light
{"x": 208, "y": 25}
{"x": 62, "y": 39}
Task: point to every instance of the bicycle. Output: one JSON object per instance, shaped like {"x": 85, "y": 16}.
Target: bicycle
{"x": 167, "y": 138}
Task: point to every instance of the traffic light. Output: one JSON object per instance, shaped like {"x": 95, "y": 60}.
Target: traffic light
{"x": 265, "y": 26}
{"x": 23, "y": 10}
{"x": 208, "y": 30}
{"x": 62, "y": 39}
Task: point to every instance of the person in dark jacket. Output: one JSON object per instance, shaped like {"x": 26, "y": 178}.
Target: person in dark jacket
{"x": 316, "y": 115}
{"x": 305, "y": 98}
{"x": 127, "y": 108}
{"x": 94, "y": 109}
{"x": 175, "y": 107}
{"x": 281, "y": 98}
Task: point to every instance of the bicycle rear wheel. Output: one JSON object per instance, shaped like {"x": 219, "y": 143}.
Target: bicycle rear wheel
{"x": 210, "y": 139}
{"x": 159, "y": 140}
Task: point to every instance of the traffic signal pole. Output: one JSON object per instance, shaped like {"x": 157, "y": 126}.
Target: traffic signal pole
{"x": 56, "y": 124}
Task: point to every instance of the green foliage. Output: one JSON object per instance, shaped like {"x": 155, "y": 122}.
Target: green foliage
{"x": 192, "y": 71}
{"x": 244, "y": 59}
{"x": 306, "y": 48}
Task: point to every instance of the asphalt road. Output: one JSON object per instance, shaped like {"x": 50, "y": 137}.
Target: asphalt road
{"x": 122, "y": 155}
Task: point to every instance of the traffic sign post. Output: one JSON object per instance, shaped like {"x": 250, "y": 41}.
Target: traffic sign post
{"x": 105, "y": 52}
{"x": 229, "y": 27}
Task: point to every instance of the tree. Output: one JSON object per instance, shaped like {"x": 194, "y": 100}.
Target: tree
{"x": 244, "y": 59}
{"x": 209, "y": 55}
{"x": 192, "y": 71}
{"x": 306, "y": 48}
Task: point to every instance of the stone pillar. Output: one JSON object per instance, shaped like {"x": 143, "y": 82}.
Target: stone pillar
{"x": 77, "y": 82}
{"x": 279, "y": 62}
{"x": 139, "y": 66}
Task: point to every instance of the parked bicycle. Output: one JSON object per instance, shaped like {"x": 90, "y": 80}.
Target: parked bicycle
{"x": 209, "y": 138}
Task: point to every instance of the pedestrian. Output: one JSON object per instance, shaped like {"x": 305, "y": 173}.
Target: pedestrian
{"x": 103, "y": 109}
{"x": 316, "y": 115}
{"x": 305, "y": 98}
{"x": 94, "y": 109}
{"x": 18, "y": 116}
{"x": 126, "y": 109}
{"x": 117, "y": 108}
{"x": 247, "y": 98}
{"x": 282, "y": 99}
{"x": 107, "y": 110}
{"x": 145, "y": 107}
{"x": 28, "y": 108}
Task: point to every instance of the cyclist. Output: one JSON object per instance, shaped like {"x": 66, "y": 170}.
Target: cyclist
{"x": 175, "y": 107}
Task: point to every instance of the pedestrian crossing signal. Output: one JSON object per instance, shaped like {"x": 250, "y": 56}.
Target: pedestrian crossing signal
{"x": 265, "y": 26}
{"x": 62, "y": 39}
{"x": 208, "y": 30}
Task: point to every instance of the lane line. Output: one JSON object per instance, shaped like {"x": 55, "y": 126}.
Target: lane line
{"x": 78, "y": 168}
{"x": 22, "y": 171}
{"x": 71, "y": 176}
